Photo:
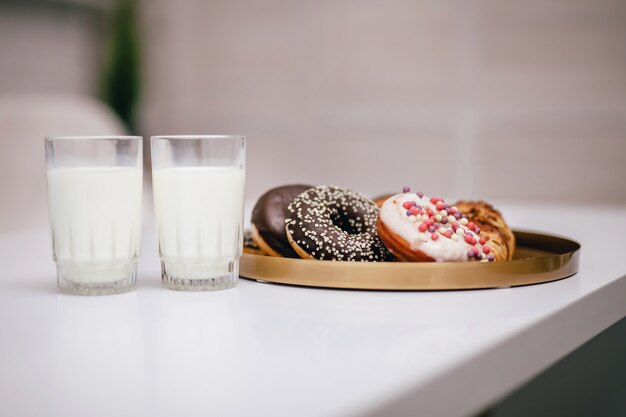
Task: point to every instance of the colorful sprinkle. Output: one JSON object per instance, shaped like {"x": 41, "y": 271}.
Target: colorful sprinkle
{"x": 432, "y": 229}
{"x": 491, "y": 258}
{"x": 406, "y": 189}
{"x": 419, "y": 194}
{"x": 443, "y": 220}
{"x": 434, "y": 236}
{"x": 463, "y": 221}
{"x": 412, "y": 219}
{"x": 482, "y": 241}
{"x": 407, "y": 204}
{"x": 468, "y": 239}
{"x": 486, "y": 250}
{"x": 422, "y": 227}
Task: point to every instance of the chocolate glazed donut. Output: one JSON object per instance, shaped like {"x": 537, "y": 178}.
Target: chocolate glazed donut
{"x": 330, "y": 223}
{"x": 268, "y": 220}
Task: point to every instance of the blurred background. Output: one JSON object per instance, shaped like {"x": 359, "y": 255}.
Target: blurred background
{"x": 496, "y": 99}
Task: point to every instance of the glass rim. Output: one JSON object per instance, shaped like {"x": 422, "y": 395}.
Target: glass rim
{"x": 188, "y": 137}
{"x": 97, "y": 137}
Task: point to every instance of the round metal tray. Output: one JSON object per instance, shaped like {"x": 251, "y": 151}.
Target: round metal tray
{"x": 538, "y": 258}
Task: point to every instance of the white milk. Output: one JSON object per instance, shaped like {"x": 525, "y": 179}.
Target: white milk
{"x": 95, "y": 217}
{"x": 199, "y": 217}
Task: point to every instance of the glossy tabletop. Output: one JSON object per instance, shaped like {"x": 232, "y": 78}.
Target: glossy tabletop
{"x": 275, "y": 350}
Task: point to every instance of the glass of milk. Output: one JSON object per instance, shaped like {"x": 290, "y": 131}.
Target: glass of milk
{"x": 94, "y": 203}
{"x": 198, "y": 186}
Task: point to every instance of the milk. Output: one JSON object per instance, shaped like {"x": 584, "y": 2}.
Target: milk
{"x": 95, "y": 219}
{"x": 199, "y": 218}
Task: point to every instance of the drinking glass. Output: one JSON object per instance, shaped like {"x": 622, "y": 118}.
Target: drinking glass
{"x": 94, "y": 203}
{"x": 198, "y": 185}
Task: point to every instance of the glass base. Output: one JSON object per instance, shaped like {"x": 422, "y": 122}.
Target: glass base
{"x": 220, "y": 282}
{"x": 72, "y": 286}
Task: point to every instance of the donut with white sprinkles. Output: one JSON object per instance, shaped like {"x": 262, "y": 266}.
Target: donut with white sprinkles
{"x": 331, "y": 223}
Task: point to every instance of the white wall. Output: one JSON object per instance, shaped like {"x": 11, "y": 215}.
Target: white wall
{"x": 502, "y": 100}
{"x": 49, "y": 49}
{"x": 493, "y": 99}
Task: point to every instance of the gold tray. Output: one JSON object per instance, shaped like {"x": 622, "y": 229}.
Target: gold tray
{"x": 538, "y": 258}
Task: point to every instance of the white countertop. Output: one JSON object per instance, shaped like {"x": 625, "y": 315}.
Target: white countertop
{"x": 272, "y": 350}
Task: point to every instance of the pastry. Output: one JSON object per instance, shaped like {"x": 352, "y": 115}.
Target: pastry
{"x": 331, "y": 223}
{"x": 268, "y": 220}
{"x": 416, "y": 228}
{"x": 492, "y": 227}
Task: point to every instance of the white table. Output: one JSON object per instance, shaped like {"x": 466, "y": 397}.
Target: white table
{"x": 271, "y": 350}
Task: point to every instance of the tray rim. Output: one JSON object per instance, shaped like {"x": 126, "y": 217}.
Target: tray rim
{"x": 412, "y": 276}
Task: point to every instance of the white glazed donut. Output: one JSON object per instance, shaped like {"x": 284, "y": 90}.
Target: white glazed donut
{"x": 417, "y": 228}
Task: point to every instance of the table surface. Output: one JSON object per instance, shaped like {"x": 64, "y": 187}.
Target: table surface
{"x": 266, "y": 349}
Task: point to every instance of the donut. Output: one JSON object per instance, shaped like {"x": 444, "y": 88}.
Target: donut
{"x": 268, "y": 220}
{"x": 248, "y": 244}
{"x": 492, "y": 227}
{"x": 332, "y": 223}
{"x": 416, "y": 228}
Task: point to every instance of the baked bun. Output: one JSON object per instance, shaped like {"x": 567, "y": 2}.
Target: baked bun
{"x": 492, "y": 227}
